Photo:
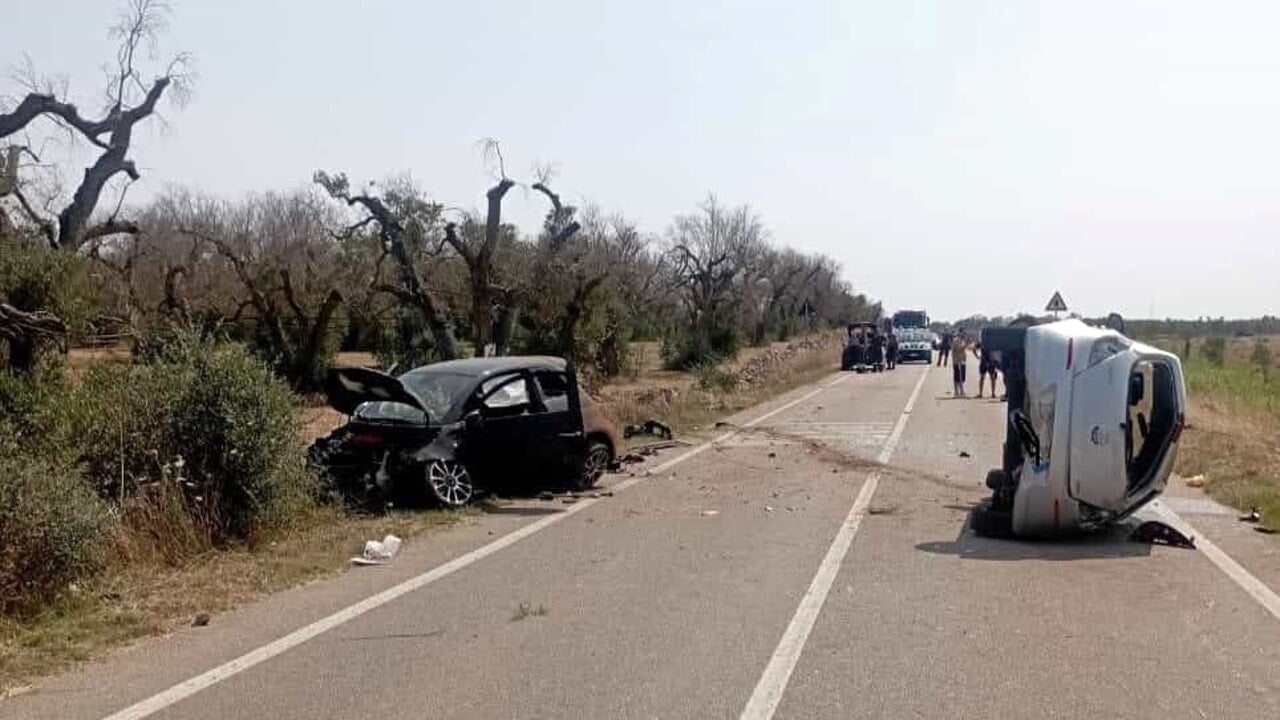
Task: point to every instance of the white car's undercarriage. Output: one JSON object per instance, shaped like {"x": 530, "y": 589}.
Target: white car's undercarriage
{"x": 1093, "y": 425}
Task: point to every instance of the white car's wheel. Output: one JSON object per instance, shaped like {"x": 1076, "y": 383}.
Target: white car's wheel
{"x": 449, "y": 483}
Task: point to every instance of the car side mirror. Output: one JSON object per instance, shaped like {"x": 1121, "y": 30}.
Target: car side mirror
{"x": 473, "y": 420}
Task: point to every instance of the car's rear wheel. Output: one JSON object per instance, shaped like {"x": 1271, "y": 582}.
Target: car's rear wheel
{"x": 449, "y": 483}
{"x": 594, "y": 464}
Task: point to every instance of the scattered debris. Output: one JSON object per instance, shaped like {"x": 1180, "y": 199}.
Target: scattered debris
{"x": 1253, "y": 516}
{"x": 773, "y": 455}
{"x": 1266, "y": 530}
{"x": 14, "y": 691}
{"x": 546, "y": 495}
{"x": 710, "y": 513}
{"x": 882, "y": 510}
{"x": 378, "y": 553}
{"x": 1195, "y": 481}
{"x": 201, "y": 620}
{"x": 722, "y": 424}
{"x": 964, "y": 453}
{"x": 527, "y": 610}
{"x": 791, "y": 508}
{"x": 768, "y": 508}
{"x": 649, "y": 427}
{"x": 1158, "y": 533}
{"x": 638, "y": 454}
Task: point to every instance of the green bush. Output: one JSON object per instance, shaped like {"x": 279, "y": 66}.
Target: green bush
{"x": 53, "y": 531}
{"x": 1214, "y": 350}
{"x": 34, "y": 277}
{"x": 1262, "y": 357}
{"x": 714, "y": 378}
{"x": 405, "y": 343}
{"x": 213, "y": 413}
{"x": 34, "y": 415}
{"x": 688, "y": 349}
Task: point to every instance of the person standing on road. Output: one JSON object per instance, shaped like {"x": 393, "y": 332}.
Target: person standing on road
{"x": 944, "y": 348}
{"x": 891, "y": 350}
{"x": 987, "y": 367}
{"x": 960, "y": 347}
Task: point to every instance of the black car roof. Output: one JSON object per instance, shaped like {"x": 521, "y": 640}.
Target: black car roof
{"x": 483, "y": 367}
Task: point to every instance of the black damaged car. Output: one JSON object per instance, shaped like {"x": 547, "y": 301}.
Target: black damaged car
{"x": 452, "y": 429}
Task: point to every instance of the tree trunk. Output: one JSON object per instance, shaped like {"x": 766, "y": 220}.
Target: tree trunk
{"x": 505, "y": 329}
{"x": 306, "y": 364}
{"x": 22, "y": 355}
{"x": 393, "y": 234}
{"x": 481, "y": 309}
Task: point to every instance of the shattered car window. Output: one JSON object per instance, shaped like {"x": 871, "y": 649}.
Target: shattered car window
{"x": 555, "y": 391}
{"x": 513, "y": 392}
{"x": 439, "y": 393}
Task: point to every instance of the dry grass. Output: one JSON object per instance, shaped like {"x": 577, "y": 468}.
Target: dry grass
{"x": 674, "y": 398}
{"x": 144, "y": 599}
{"x": 1233, "y": 437}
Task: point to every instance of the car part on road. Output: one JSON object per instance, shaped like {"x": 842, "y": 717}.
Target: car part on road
{"x": 1159, "y": 533}
{"x": 649, "y": 427}
{"x": 1093, "y": 424}
{"x": 640, "y": 452}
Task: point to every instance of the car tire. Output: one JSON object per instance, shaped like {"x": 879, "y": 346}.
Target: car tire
{"x": 449, "y": 483}
{"x": 594, "y": 464}
{"x": 989, "y": 521}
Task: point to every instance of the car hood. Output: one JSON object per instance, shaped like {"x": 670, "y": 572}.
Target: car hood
{"x": 349, "y": 387}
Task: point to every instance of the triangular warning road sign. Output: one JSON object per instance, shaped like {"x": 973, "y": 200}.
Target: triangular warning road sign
{"x": 1056, "y": 303}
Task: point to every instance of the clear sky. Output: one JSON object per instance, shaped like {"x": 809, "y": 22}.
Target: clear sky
{"x": 957, "y": 156}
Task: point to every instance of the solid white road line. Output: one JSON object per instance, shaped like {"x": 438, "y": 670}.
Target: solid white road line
{"x": 182, "y": 690}
{"x": 773, "y": 683}
{"x": 1265, "y": 596}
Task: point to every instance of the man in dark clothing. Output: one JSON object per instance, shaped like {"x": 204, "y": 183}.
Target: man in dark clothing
{"x": 988, "y": 367}
{"x": 877, "y": 350}
{"x": 944, "y": 348}
{"x": 891, "y": 350}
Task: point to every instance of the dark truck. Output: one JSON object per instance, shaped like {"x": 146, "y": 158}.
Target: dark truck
{"x": 450, "y": 429}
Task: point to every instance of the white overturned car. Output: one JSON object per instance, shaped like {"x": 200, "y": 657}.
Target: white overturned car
{"x": 1093, "y": 425}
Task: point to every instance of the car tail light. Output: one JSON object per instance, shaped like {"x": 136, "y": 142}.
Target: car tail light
{"x": 365, "y": 439}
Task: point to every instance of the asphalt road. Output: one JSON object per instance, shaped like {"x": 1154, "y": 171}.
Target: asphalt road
{"x": 778, "y": 572}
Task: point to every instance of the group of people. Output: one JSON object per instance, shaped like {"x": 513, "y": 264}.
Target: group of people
{"x": 872, "y": 347}
{"x": 956, "y": 348}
